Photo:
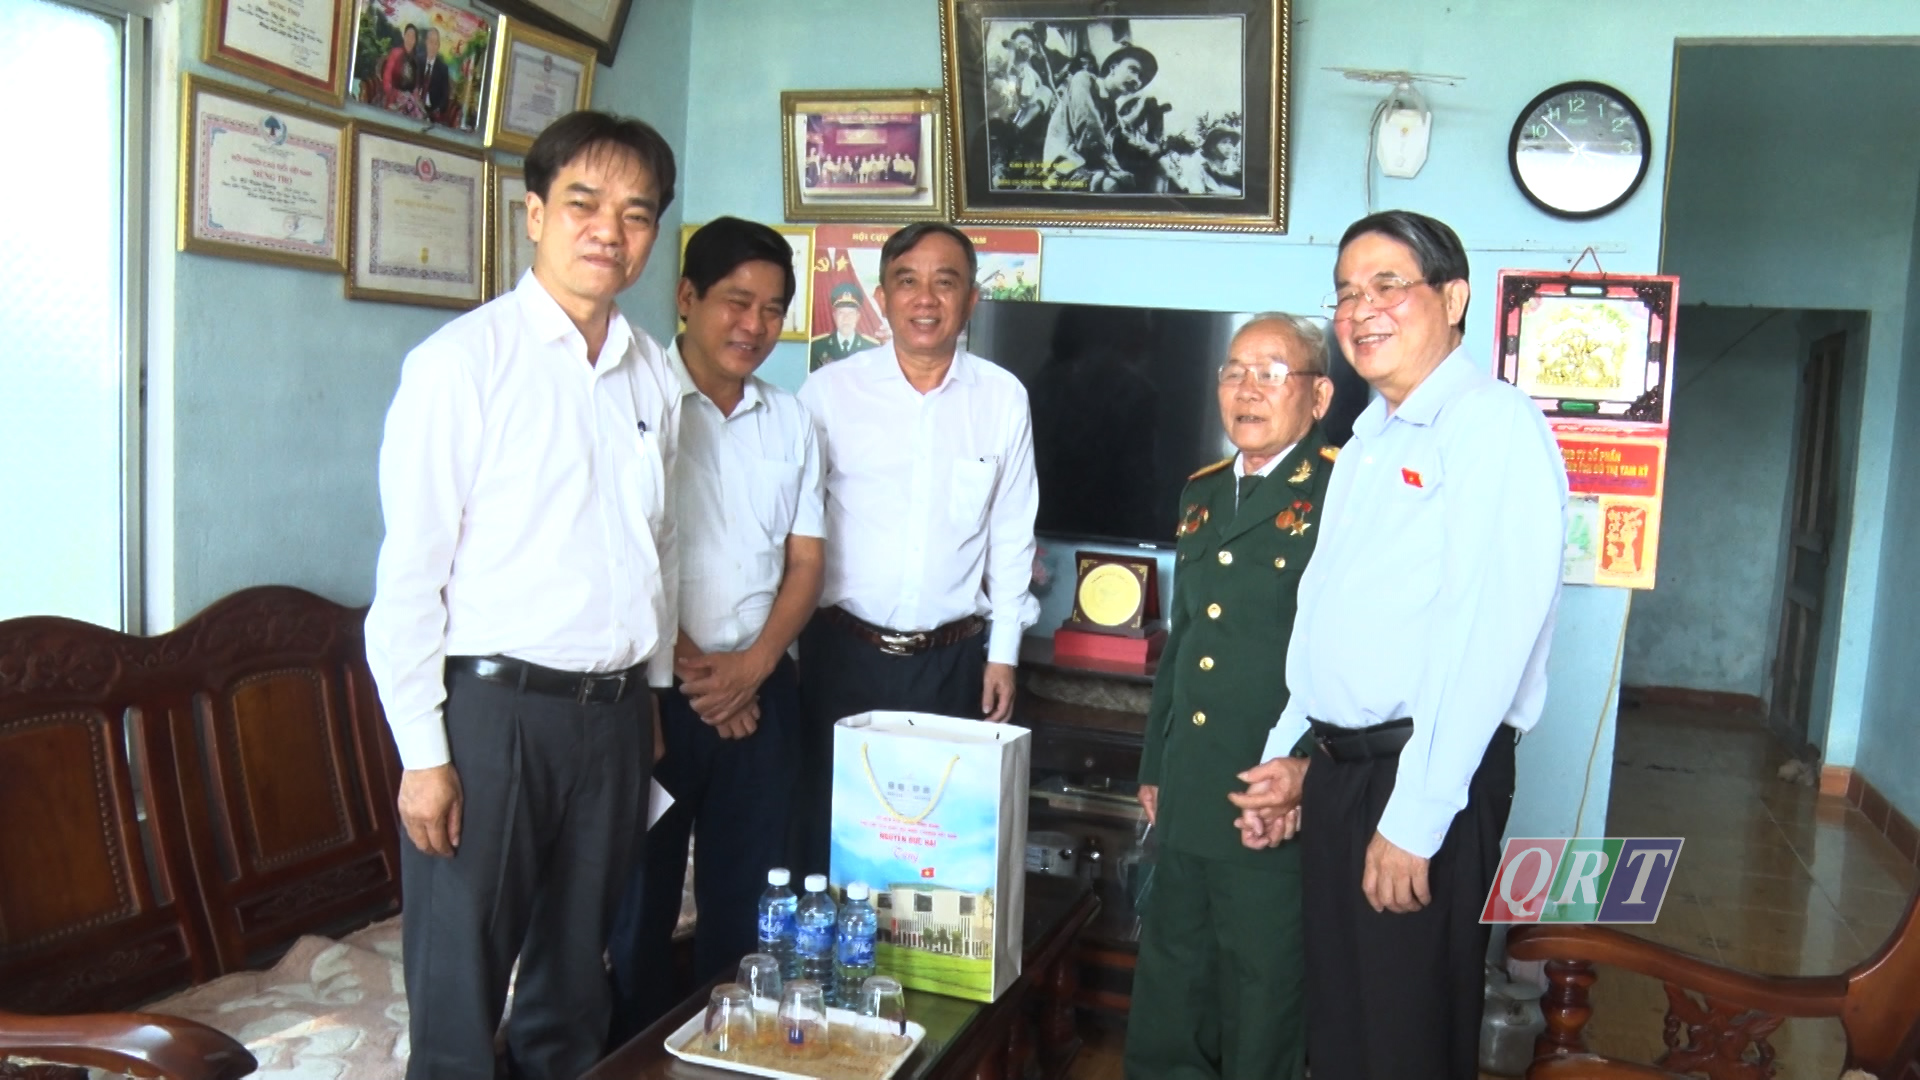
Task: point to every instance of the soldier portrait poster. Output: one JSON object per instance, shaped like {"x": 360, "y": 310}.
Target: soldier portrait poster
{"x": 846, "y": 270}
{"x": 1143, "y": 113}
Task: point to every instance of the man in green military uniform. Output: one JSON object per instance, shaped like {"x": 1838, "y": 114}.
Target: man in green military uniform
{"x": 1219, "y": 991}
{"x": 846, "y": 338}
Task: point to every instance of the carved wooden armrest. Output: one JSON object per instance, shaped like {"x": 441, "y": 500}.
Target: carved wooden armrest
{"x": 137, "y": 1044}
{"x": 1733, "y": 1009}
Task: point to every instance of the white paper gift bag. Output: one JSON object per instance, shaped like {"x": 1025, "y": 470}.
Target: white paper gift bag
{"x": 931, "y": 813}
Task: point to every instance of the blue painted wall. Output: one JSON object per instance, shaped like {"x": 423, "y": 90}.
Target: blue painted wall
{"x": 1889, "y": 737}
{"x": 1786, "y": 193}
{"x": 1708, "y": 626}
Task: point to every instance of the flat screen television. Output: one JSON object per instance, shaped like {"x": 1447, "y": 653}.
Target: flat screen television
{"x": 1125, "y": 407}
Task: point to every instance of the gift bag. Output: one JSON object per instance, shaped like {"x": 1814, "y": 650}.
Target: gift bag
{"x": 931, "y": 813}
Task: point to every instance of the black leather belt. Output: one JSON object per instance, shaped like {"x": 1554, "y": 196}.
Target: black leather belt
{"x": 1347, "y": 745}
{"x": 607, "y": 688}
{"x": 905, "y": 642}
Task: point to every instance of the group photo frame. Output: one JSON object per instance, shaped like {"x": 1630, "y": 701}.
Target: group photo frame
{"x": 1142, "y": 114}
{"x": 262, "y": 178}
{"x": 863, "y": 155}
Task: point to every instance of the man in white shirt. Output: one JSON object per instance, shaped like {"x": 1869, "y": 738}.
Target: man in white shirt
{"x": 931, "y": 498}
{"x": 525, "y": 600}
{"x": 749, "y": 521}
{"x": 1418, "y": 657}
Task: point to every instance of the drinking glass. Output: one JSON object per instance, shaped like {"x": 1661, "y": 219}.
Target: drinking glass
{"x": 883, "y": 1017}
{"x": 803, "y": 1019}
{"x": 730, "y": 1020}
{"x": 760, "y": 974}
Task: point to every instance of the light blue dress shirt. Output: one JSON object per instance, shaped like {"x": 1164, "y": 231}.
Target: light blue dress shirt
{"x": 1431, "y": 594}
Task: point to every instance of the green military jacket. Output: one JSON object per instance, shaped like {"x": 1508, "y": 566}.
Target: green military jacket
{"x": 1223, "y": 674}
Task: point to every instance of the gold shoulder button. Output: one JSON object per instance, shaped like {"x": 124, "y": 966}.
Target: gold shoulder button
{"x": 1211, "y": 469}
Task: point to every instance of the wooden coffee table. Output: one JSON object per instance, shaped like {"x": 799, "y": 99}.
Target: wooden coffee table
{"x": 965, "y": 1040}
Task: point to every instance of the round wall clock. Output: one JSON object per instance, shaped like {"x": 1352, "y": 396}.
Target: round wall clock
{"x": 1580, "y": 149}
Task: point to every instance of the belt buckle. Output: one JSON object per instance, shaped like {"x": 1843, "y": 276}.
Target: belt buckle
{"x": 903, "y": 644}
{"x": 588, "y": 683}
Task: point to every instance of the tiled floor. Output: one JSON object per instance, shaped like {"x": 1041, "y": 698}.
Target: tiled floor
{"x": 1774, "y": 878}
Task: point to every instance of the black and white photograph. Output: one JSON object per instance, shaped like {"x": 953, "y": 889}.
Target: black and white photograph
{"x": 1115, "y": 106}
{"x": 1148, "y": 112}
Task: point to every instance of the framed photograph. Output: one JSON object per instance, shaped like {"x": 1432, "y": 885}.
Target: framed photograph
{"x": 507, "y": 227}
{"x": 864, "y": 155}
{"x": 425, "y": 60}
{"x": 800, "y": 239}
{"x": 296, "y": 45}
{"x": 596, "y": 23}
{"x": 539, "y": 77}
{"x": 1144, "y": 114}
{"x": 1593, "y": 347}
{"x": 262, "y": 178}
{"x": 419, "y": 221}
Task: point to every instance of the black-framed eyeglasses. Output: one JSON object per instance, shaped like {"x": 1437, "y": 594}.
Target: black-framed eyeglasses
{"x": 1384, "y": 294}
{"x": 1264, "y": 375}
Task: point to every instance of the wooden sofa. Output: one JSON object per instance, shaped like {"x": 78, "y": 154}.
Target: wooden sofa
{"x": 1718, "y": 1020}
{"x": 178, "y": 808}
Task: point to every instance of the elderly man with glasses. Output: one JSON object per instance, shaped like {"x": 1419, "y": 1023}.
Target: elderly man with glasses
{"x": 1220, "y": 983}
{"x": 1418, "y": 658}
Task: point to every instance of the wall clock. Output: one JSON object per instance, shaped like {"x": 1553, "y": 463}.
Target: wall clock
{"x": 1580, "y": 149}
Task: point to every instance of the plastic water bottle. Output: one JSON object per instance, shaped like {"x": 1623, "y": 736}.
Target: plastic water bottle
{"x": 853, "y": 951}
{"x": 813, "y": 934}
{"x": 777, "y": 906}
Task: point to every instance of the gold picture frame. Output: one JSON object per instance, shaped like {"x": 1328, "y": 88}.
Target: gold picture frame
{"x": 864, "y": 155}
{"x": 510, "y": 253}
{"x": 1030, "y": 86}
{"x": 319, "y": 72}
{"x": 799, "y": 312}
{"x": 433, "y": 184}
{"x": 249, "y": 166}
{"x": 515, "y": 116}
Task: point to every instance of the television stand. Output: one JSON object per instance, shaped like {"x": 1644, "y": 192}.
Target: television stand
{"x": 1089, "y": 726}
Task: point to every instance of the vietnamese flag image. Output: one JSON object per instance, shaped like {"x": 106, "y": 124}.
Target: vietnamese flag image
{"x": 927, "y": 872}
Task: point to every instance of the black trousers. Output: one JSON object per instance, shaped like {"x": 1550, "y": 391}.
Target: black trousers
{"x": 553, "y": 798}
{"x": 730, "y": 796}
{"x": 843, "y": 675}
{"x": 1397, "y": 997}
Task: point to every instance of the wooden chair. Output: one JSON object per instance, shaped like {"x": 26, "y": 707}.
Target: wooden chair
{"x": 1718, "y": 1019}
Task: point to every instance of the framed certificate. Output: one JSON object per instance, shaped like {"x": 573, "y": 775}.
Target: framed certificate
{"x": 507, "y": 227}
{"x": 297, "y": 45}
{"x": 261, "y": 178}
{"x": 419, "y": 221}
{"x": 540, "y": 78}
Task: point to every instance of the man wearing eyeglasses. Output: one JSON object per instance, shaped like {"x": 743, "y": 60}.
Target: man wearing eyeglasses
{"x": 1219, "y": 990}
{"x": 1417, "y": 660}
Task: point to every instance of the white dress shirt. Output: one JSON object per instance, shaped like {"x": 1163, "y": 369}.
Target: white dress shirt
{"x": 930, "y": 497}
{"x": 1240, "y": 469}
{"x": 526, "y": 505}
{"x": 742, "y": 484}
{"x": 1432, "y": 591}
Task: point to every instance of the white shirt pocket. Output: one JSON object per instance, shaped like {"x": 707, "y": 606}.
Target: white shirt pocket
{"x": 971, "y": 488}
{"x": 776, "y": 497}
